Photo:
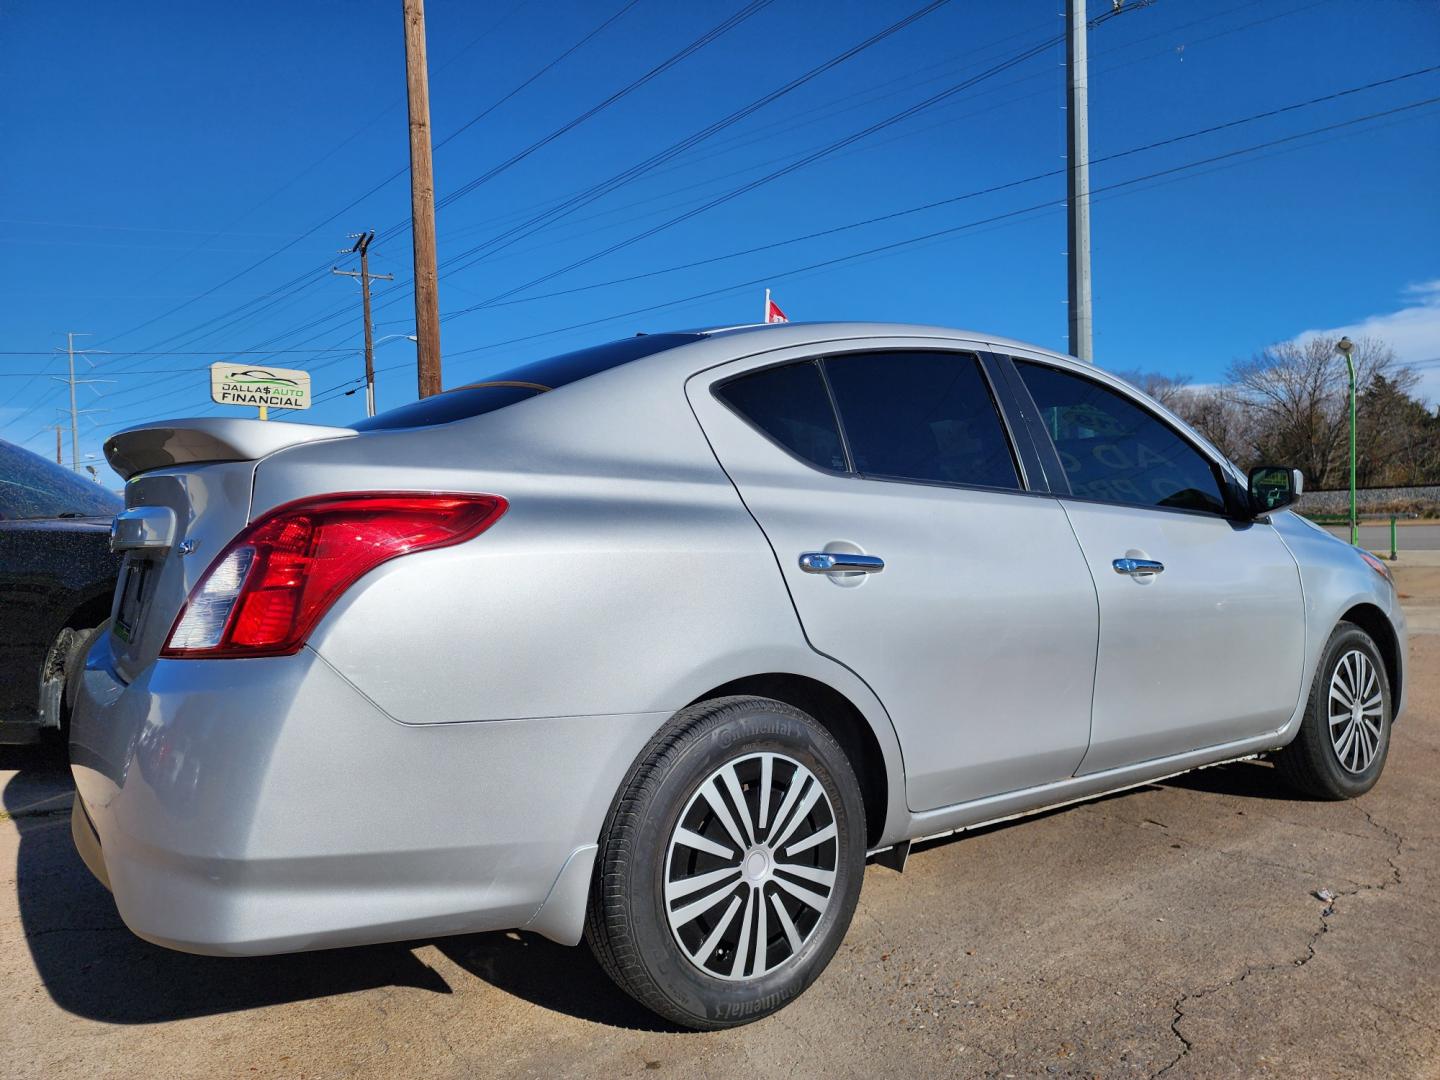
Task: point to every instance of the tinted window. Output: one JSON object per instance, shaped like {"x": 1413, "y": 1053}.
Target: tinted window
{"x": 790, "y": 405}
{"x": 32, "y": 487}
{"x": 922, "y": 416}
{"x": 1113, "y": 449}
{"x": 526, "y": 381}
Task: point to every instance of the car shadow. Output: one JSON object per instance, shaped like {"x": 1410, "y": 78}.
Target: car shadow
{"x": 555, "y": 977}
{"x": 1255, "y": 779}
{"x": 92, "y": 966}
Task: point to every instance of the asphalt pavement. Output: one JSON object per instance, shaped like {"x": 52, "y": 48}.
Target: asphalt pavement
{"x": 1174, "y": 930}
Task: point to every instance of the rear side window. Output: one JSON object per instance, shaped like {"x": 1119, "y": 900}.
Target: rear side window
{"x": 1115, "y": 450}
{"x": 521, "y": 383}
{"x": 32, "y": 487}
{"x": 922, "y": 416}
{"x": 790, "y": 404}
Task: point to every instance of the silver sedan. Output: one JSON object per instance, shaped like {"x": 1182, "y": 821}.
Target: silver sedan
{"x": 655, "y": 643}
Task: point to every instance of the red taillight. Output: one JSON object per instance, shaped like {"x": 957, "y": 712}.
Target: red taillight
{"x": 265, "y": 592}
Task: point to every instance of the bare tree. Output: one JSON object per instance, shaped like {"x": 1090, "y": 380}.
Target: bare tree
{"x": 1298, "y": 393}
{"x": 1218, "y": 413}
{"x": 1166, "y": 389}
{"x": 1288, "y": 405}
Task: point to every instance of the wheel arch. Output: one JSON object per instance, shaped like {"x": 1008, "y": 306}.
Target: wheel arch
{"x": 90, "y": 613}
{"x": 843, "y": 719}
{"x": 93, "y": 610}
{"x": 1377, "y": 624}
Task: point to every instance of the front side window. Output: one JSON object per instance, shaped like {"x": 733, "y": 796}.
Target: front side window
{"x": 923, "y": 415}
{"x": 1115, "y": 450}
{"x": 790, "y": 405}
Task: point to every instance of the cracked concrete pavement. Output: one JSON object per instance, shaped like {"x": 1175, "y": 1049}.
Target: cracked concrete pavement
{"x": 1172, "y": 930}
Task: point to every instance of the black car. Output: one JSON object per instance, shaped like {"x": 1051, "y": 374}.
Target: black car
{"x": 57, "y": 577}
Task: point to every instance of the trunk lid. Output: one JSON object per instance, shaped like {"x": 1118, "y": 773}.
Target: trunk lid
{"x": 188, "y": 494}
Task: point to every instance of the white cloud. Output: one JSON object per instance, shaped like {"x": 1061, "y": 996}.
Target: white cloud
{"x": 1413, "y": 331}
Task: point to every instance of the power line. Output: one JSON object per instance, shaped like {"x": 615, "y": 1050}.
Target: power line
{"x": 1118, "y": 189}
{"x": 829, "y": 148}
{"x": 186, "y": 352}
{"x": 614, "y": 317}
{"x": 871, "y": 252}
{"x": 965, "y": 196}
{"x": 695, "y": 45}
{"x": 695, "y": 138}
{"x": 355, "y": 202}
{"x": 951, "y": 230}
{"x": 368, "y": 126}
{"x": 785, "y": 170}
{"x": 655, "y": 72}
{"x": 1226, "y": 11}
{"x": 282, "y": 292}
{"x": 494, "y": 301}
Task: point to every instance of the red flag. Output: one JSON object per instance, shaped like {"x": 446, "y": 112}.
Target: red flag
{"x": 772, "y": 311}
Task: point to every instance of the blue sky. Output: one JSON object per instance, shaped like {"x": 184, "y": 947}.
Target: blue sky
{"x": 155, "y": 152}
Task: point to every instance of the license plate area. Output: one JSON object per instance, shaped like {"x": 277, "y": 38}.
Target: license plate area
{"x": 133, "y": 594}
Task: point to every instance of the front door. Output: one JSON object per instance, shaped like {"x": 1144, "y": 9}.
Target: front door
{"x": 1201, "y": 615}
{"x": 979, "y": 634}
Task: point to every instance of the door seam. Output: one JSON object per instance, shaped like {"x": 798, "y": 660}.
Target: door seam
{"x": 1099, "y": 630}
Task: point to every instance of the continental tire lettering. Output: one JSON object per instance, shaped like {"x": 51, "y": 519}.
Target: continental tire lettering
{"x": 735, "y": 1010}
{"x": 738, "y": 731}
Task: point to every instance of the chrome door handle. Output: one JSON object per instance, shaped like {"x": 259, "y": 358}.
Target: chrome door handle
{"x": 1138, "y": 566}
{"x": 840, "y": 562}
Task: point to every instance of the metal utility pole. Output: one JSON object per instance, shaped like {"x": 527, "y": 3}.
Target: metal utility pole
{"x": 74, "y": 415}
{"x": 1077, "y": 102}
{"x": 362, "y": 245}
{"x": 422, "y": 200}
{"x": 75, "y": 411}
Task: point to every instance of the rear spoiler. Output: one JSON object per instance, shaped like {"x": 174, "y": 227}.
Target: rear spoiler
{"x": 206, "y": 440}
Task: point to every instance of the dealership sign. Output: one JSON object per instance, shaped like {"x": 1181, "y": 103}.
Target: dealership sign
{"x": 267, "y": 387}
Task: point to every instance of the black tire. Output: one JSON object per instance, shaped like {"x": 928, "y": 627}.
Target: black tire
{"x": 628, "y": 921}
{"x": 1312, "y": 764}
{"x": 64, "y": 661}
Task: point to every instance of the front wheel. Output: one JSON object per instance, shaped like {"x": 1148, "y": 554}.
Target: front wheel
{"x": 730, "y": 864}
{"x": 1345, "y": 735}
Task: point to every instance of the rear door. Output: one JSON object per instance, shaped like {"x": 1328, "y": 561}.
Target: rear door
{"x": 979, "y": 633}
{"x": 1201, "y": 614}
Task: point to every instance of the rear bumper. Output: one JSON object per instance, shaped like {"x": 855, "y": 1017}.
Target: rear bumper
{"x": 243, "y": 807}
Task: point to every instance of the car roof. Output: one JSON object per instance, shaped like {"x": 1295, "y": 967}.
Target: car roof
{"x": 802, "y": 333}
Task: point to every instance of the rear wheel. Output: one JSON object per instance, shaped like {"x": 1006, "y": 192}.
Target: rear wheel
{"x": 59, "y": 675}
{"x": 1345, "y": 735}
{"x": 730, "y": 864}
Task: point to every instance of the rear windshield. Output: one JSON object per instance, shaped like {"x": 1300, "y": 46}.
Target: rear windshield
{"x": 517, "y": 384}
{"x": 32, "y": 487}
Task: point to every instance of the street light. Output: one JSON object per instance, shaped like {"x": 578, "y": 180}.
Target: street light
{"x": 1345, "y": 347}
{"x": 370, "y": 372}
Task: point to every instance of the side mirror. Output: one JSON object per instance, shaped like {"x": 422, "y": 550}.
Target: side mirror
{"x": 1274, "y": 487}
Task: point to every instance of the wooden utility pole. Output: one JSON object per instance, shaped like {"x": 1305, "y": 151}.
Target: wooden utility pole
{"x": 362, "y": 245}
{"x": 59, "y": 452}
{"x": 422, "y": 200}
{"x": 1077, "y": 100}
